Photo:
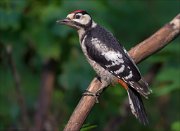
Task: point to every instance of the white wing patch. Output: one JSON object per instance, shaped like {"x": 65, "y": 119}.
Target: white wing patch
{"x": 98, "y": 45}
{"x": 110, "y": 55}
{"x": 113, "y": 56}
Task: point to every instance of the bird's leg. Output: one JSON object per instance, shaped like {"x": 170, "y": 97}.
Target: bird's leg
{"x": 99, "y": 78}
{"x": 94, "y": 94}
{"x": 98, "y": 92}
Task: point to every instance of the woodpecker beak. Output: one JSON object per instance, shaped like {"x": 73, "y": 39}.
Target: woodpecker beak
{"x": 68, "y": 21}
{"x": 65, "y": 21}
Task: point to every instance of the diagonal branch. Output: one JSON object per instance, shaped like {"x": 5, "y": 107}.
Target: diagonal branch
{"x": 140, "y": 52}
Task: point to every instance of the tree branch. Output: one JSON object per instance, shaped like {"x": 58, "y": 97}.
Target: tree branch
{"x": 141, "y": 51}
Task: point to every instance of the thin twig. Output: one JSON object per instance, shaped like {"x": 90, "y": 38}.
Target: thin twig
{"x": 141, "y": 51}
{"x": 18, "y": 88}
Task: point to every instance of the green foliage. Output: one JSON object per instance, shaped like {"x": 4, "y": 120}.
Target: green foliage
{"x": 165, "y": 81}
{"x": 88, "y": 127}
{"x": 80, "y": 68}
{"x": 30, "y": 28}
{"x": 168, "y": 82}
{"x": 175, "y": 126}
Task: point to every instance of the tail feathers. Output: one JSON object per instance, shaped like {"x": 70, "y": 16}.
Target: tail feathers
{"x": 136, "y": 105}
{"x": 142, "y": 87}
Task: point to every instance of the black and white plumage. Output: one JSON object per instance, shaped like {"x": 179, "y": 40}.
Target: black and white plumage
{"x": 109, "y": 59}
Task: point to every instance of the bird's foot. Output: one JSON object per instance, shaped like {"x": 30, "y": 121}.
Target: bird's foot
{"x": 94, "y": 94}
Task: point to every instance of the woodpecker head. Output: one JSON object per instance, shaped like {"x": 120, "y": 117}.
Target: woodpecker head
{"x": 78, "y": 19}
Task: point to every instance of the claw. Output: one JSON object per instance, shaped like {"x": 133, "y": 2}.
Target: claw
{"x": 89, "y": 93}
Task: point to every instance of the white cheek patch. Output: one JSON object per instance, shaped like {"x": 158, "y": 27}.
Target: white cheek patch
{"x": 83, "y": 20}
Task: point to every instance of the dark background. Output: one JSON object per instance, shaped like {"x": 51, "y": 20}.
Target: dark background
{"x": 54, "y": 73}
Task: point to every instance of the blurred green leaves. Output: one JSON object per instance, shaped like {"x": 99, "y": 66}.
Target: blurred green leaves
{"x": 167, "y": 81}
{"x": 175, "y": 126}
{"x": 76, "y": 72}
{"x": 88, "y": 127}
{"x": 10, "y": 14}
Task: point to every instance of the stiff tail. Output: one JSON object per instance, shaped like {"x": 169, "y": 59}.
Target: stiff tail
{"x": 136, "y": 105}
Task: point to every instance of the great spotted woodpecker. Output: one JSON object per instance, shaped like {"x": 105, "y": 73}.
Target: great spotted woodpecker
{"x": 110, "y": 60}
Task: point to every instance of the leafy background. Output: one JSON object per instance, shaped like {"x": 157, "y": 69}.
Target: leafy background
{"x": 40, "y": 45}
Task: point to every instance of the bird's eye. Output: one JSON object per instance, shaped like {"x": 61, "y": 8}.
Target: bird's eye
{"x": 77, "y": 16}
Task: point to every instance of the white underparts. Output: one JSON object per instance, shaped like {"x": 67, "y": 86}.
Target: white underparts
{"x": 81, "y": 32}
